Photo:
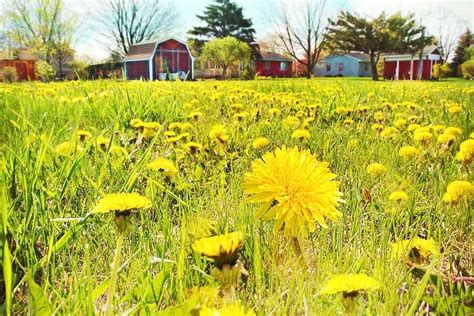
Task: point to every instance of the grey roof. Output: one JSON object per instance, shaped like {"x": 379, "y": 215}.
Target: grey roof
{"x": 361, "y": 57}
{"x": 270, "y": 56}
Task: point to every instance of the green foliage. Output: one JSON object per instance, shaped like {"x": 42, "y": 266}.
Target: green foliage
{"x": 226, "y": 52}
{"x": 445, "y": 70}
{"x": 224, "y": 18}
{"x": 80, "y": 69}
{"x": 45, "y": 71}
{"x": 436, "y": 73}
{"x": 39, "y": 302}
{"x": 468, "y": 69}
{"x": 395, "y": 33}
{"x": 465, "y": 40}
{"x": 9, "y": 74}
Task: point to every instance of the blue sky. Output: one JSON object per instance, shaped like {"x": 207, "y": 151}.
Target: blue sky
{"x": 456, "y": 15}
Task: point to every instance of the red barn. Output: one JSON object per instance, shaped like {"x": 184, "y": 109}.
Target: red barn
{"x": 159, "y": 59}
{"x": 22, "y": 60}
{"x": 273, "y": 65}
{"x": 405, "y": 66}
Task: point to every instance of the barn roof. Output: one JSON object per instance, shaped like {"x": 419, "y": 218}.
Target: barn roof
{"x": 270, "y": 56}
{"x": 431, "y": 51}
{"x": 145, "y": 49}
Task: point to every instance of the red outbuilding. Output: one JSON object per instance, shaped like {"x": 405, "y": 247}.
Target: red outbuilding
{"x": 159, "y": 59}
{"x": 405, "y": 66}
{"x": 273, "y": 65}
{"x": 22, "y": 60}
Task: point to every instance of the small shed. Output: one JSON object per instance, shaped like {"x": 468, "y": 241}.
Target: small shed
{"x": 23, "y": 60}
{"x": 405, "y": 66}
{"x": 159, "y": 59}
{"x": 273, "y": 65}
{"x": 344, "y": 65}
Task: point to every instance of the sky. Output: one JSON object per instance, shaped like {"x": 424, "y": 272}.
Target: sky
{"x": 452, "y": 16}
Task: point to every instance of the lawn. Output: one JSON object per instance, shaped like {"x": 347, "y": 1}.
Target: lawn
{"x": 66, "y": 146}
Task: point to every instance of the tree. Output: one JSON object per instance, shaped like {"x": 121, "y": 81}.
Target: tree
{"x": 300, "y": 31}
{"x": 447, "y": 33}
{"x": 62, "y": 55}
{"x": 395, "y": 33}
{"x": 465, "y": 40}
{"x": 226, "y": 52}
{"x": 127, "y": 22}
{"x": 222, "y": 19}
{"x": 468, "y": 69}
{"x": 36, "y": 24}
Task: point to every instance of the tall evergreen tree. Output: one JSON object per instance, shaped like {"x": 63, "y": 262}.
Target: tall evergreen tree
{"x": 221, "y": 19}
{"x": 465, "y": 40}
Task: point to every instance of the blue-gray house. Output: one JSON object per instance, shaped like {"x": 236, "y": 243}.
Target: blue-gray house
{"x": 344, "y": 64}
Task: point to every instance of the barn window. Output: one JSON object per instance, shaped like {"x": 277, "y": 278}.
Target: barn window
{"x": 341, "y": 67}
{"x": 267, "y": 65}
{"x": 283, "y": 66}
{"x": 328, "y": 67}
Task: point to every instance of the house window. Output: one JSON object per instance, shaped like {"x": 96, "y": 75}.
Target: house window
{"x": 283, "y": 66}
{"x": 328, "y": 67}
{"x": 341, "y": 67}
{"x": 366, "y": 67}
{"x": 267, "y": 65}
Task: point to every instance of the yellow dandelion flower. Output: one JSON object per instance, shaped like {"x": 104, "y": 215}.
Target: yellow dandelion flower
{"x": 457, "y": 191}
{"x": 186, "y": 126}
{"x": 290, "y": 121}
{"x": 84, "y": 135}
{"x": 294, "y": 187}
{"x": 399, "y": 123}
{"x": 260, "y": 142}
{"x": 223, "y": 249}
{"x": 398, "y": 196}
{"x": 466, "y": 151}
{"x": 455, "y": 109}
{"x": 193, "y": 148}
{"x": 68, "y": 148}
{"x": 350, "y": 284}
{"x": 409, "y": 152}
{"x": 175, "y": 125}
{"x": 376, "y": 127}
{"x": 455, "y": 131}
{"x": 170, "y": 134}
{"x": 376, "y": 169}
{"x": 195, "y": 115}
{"x": 379, "y": 116}
{"x": 446, "y": 139}
{"x": 121, "y": 202}
{"x": 164, "y": 166}
{"x": 389, "y": 132}
{"x": 301, "y": 134}
{"x": 135, "y": 123}
{"x": 422, "y": 136}
{"x": 415, "y": 248}
{"x": 413, "y": 127}
{"x": 219, "y": 133}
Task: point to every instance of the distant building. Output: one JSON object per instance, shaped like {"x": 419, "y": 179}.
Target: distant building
{"x": 159, "y": 59}
{"x": 22, "y": 60}
{"x": 405, "y": 66}
{"x": 344, "y": 65}
{"x": 271, "y": 64}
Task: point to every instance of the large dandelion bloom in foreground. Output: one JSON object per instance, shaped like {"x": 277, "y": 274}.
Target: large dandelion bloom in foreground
{"x": 457, "y": 191}
{"x": 223, "y": 249}
{"x": 121, "y": 202}
{"x": 295, "y": 188}
{"x": 349, "y": 284}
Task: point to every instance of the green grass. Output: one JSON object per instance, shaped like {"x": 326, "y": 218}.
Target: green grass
{"x": 56, "y": 256}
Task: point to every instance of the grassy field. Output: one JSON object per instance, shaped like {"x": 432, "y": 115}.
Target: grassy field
{"x": 57, "y": 252}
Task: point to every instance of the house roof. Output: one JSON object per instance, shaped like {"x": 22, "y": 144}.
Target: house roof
{"x": 270, "y": 56}
{"x": 360, "y": 57}
{"x": 145, "y": 49}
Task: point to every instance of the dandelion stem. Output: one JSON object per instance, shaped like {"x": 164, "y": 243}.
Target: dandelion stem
{"x": 114, "y": 275}
{"x": 299, "y": 253}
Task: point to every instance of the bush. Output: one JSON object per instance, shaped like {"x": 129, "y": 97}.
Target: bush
{"x": 446, "y": 71}
{"x": 9, "y": 74}
{"x": 468, "y": 69}
{"x": 436, "y": 74}
{"x": 45, "y": 71}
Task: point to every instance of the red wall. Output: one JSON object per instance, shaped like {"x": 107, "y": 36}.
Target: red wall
{"x": 25, "y": 69}
{"x": 138, "y": 69}
{"x": 274, "y": 70}
{"x": 390, "y": 68}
